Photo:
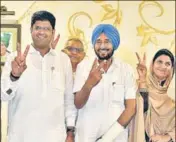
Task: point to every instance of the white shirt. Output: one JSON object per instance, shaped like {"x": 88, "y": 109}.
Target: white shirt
{"x": 106, "y": 100}
{"x": 41, "y": 99}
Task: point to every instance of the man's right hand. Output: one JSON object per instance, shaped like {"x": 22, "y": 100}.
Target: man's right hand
{"x": 95, "y": 74}
{"x": 19, "y": 63}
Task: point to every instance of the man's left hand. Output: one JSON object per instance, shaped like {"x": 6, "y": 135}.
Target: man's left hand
{"x": 54, "y": 42}
{"x": 70, "y": 137}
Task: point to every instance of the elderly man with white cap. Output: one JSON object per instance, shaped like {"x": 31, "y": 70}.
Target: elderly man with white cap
{"x": 104, "y": 91}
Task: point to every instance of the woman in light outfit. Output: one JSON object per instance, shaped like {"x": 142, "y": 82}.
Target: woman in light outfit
{"x": 155, "y": 117}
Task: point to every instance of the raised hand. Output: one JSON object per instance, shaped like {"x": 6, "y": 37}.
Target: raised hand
{"x": 54, "y": 42}
{"x": 141, "y": 67}
{"x": 95, "y": 74}
{"x": 19, "y": 63}
{"x": 70, "y": 139}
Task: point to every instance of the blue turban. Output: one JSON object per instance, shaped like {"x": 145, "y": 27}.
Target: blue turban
{"x": 110, "y": 31}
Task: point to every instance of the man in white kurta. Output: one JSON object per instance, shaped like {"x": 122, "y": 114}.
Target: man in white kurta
{"x": 36, "y": 103}
{"x": 107, "y": 99}
{"x": 41, "y": 99}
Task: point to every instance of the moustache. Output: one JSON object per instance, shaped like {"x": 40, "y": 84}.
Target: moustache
{"x": 103, "y": 49}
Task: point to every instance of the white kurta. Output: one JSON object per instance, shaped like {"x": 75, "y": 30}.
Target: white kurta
{"x": 40, "y": 99}
{"x": 106, "y": 100}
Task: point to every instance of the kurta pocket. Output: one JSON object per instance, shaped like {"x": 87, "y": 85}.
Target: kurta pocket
{"x": 118, "y": 93}
{"x": 57, "y": 81}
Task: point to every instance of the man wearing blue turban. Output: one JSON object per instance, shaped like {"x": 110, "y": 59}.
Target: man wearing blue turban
{"x": 104, "y": 91}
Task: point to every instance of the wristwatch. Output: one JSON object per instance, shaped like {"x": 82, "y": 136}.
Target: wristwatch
{"x": 71, "y": 129}
{"x": 14, "y": 78}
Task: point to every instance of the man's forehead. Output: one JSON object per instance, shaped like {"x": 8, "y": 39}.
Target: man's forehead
{"x": 74, "y": 43}
{"x": 44, "y": 22}
{"x": 102, "y": 36}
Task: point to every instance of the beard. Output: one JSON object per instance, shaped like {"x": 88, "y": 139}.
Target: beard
{"x": 108, "y": 56}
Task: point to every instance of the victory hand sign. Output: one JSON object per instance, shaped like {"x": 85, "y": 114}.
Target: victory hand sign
{"x": 19, "y": 63}
{"x": 141, "y": 67}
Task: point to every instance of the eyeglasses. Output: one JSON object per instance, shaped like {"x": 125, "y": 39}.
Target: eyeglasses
{"x": 99, "y": 43}
{"x": 45, "y": 29}
{"x": 74, "y": 49}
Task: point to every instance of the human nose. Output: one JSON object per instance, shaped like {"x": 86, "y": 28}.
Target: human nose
{"x": 102, "y": 45}
{"x": 41, "y": 31}
{"x": 74, "y": 52}
{"x": 163, "y": 66}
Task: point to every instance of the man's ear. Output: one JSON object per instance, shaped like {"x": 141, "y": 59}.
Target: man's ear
{"x": 31, "y": 29}
{"x": 83, "y": 54}
{"x": 54, "y": 32}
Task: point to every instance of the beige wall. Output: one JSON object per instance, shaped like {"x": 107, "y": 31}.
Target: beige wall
{"x": 143, "y": 26}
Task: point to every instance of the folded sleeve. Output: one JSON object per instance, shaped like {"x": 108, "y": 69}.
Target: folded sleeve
{"x": 70, "y": 109}
{"x": 80, "y": 77}
{"x": 8, "y": 87}
{"x": 130, "y": 83}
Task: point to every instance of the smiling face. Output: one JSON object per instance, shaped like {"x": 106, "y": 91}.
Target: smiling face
{"x": 74, "y": 49}
{"x": 162, "y": 67}
{"x": 42, "y": 34}
{"x": 103, "y": 47}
